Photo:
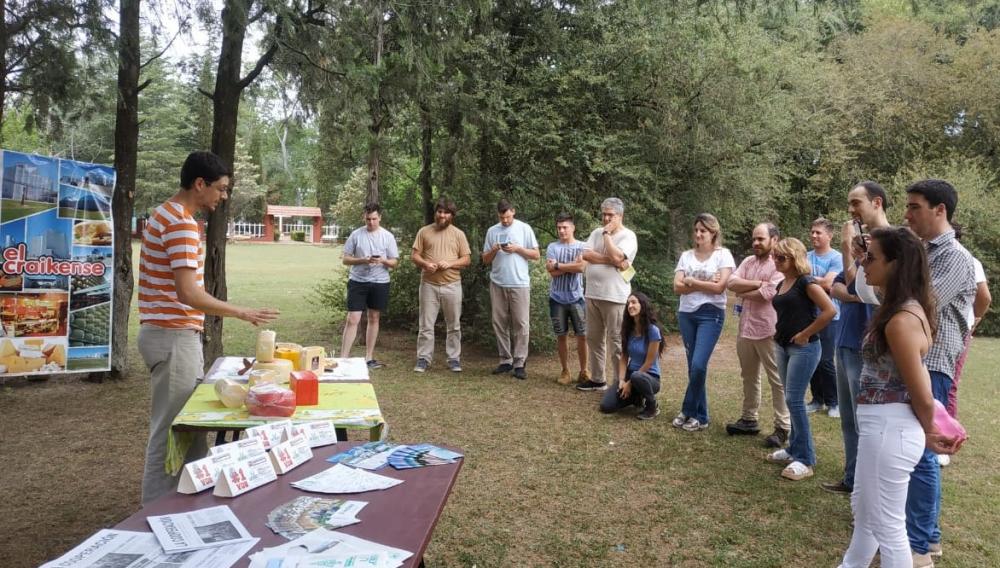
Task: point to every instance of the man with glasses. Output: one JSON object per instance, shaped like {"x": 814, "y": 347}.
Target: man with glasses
{"x": 610, "y": 252}
{"x": 370, "y": 251}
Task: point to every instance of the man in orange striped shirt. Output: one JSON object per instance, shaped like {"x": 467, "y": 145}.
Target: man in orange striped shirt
{"x": 172, "y": 307}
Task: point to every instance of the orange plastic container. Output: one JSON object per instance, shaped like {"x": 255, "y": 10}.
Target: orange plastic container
{"x": 305, "y": 385}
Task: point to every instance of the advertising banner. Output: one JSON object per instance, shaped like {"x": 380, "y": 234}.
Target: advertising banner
{"x": 55, "y": 284}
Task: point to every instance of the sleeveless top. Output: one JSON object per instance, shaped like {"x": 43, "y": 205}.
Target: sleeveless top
{"x": 881, "y": 382}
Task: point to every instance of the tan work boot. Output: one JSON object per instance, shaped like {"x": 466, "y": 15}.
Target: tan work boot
{"x": 583, "y": 377}
{"x": 922, "y": 560}
{"x": 565, "y": 378}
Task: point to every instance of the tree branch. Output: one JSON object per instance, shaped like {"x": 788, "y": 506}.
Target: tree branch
{"x": 259, "y": 67}
{"x": 206, "y": 93}
{"x": 164, "y": 50}
{"x": 312, "y": 63}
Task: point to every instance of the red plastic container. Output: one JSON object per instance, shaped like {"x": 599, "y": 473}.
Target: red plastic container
{"x": 305, "y": 385}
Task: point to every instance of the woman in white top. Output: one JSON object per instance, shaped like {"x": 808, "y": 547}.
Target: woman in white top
{"x": 700, "y": 279}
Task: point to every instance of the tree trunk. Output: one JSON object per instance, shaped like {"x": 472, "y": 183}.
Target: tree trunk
{"x": 3, "y": 65}
{"x": 123, "y": 200}
{"x": 225, "y": 106}
{"x": 376, "y": 112}
{"x": 426, "y": 162}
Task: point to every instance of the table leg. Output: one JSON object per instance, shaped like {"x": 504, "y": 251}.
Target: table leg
{"x": 341, "y": 434}
{"x": 220, "y": 437}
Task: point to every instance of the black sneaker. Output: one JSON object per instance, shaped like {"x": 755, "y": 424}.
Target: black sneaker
{"x": 503, "y": 368}
{"x": 592, "y": 386}
{"x": 373, "y": 364}
{"x": 520, "y": 373}
{"x": 777, "y": 439}
{"x": 838, "y": 488}
{"x": 649, "y": 412}
{"x": 743, "y": 426}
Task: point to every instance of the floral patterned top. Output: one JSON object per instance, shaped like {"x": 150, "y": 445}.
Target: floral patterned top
{"x": 881, "y": 382}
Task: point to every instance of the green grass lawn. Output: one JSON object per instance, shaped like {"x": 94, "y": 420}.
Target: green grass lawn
{"x": 547, "y": 480}
{"x": 11, "y": 209}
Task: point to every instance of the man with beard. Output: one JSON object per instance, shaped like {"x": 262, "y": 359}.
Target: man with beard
{"x": 755, "y": 283}
{"x": 440, "y": 251}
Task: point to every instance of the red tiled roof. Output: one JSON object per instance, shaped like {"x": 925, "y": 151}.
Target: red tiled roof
{"x": 290, "y": 211}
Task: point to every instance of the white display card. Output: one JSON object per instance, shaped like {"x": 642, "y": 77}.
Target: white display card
{"x": 241, "y": 450}
{"x": 271, "y": 434}
{"x": 320, "y": 433}
{"x": 290, "y": 454}
{"x": 243, "y": 476}
{"x": 201, "y": 474}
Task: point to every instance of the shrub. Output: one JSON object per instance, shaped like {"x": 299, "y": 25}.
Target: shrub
{"x": 299, "y": 236}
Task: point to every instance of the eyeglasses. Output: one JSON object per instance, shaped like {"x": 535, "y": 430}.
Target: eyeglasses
{"x": 780, "y": 258}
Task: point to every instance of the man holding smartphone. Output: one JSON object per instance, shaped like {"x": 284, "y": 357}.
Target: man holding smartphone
{"x": 370, "y": 251}
{"x": 509, "y": 245}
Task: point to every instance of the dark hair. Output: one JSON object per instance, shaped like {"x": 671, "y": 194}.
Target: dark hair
{"x": 874, "y": 189}
{"x": 446, "y": 204}
{"x": 772, "y": 230}
{"x": 647, "y": 317}
{"x": 373, "y": 208}
{"x": 910, "y": 279}
{"x": 204, "y": 165}
{"x": 936, "y": 192}
{"x": 504, "y": 206}
{"x": 563, "y": 217}
{"x": 825, "y": 223}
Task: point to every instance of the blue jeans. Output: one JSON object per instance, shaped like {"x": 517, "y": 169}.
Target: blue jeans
{"x": 848, "y": 385}
{"x": 700, "y": 330}
{"x": 796, "y": 365}
{"x": 923, "y": 502}
{"x": 824, "y": 379}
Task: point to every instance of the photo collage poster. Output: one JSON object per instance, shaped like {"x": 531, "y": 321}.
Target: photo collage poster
{"x": 56, "y": 280}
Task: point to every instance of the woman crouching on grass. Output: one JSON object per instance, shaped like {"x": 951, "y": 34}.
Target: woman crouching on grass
{"x": 797, "y": 349}
{"x": 637, "y": 379}
{"x": 895, "y": 406}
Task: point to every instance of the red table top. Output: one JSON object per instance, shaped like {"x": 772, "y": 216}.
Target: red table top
{"x": 403, "y": 516}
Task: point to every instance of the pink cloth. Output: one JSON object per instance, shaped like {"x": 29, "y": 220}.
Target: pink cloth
{"x": 759, "y": 318}
{"x": 959, "y": 365}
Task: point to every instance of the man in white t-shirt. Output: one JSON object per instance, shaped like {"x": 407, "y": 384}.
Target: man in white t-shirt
{"x": 370, "y": 251}
{"x": 610, "y": 252}
{"x": 509, "y": 245}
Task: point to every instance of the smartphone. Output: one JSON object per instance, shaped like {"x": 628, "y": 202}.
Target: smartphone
{"x": 376, "y": 256}
{"x": 859, "y": 237}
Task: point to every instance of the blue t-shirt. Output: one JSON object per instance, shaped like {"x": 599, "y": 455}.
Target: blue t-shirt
{"x": 854, "y": 318}
{"x": 832, "y": 261}
{"x": 637, "y": 348}
{"x": 566, "y": 288}
{"x": 508, "y": 269}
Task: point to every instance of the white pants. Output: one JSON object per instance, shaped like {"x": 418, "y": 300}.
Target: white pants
{"x": 890, "y": 442}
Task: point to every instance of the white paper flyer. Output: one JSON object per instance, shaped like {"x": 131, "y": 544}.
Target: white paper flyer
{"x": 195, "y": 530}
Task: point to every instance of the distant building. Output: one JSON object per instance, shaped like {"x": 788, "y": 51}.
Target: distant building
{"x": 24, "y": 182}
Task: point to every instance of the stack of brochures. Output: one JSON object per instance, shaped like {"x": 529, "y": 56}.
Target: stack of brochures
{"x": 305, "y": 514}
{"x": 329, "y": 549}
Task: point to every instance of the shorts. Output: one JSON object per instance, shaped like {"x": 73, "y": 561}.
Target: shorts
{"x": 564, "y": 314}
{"x": 371, "y": 295}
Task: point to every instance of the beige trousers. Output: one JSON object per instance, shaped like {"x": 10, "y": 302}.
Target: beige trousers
{"x": 604, "y": 330}
{"x": 754, "y": 354}
{"x": 510, "y": 321}
{"x": 445, "y": 298}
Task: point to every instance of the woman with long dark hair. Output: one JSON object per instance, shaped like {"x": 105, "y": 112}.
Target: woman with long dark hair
{"x": 803, "y": 310}
{"x": 895, "y": 405}
{"x": 637, "y": 379}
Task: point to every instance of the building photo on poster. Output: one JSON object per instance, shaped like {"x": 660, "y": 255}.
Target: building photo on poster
{"x": 57, "y": 258}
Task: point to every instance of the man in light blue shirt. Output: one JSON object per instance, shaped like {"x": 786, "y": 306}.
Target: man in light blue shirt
{"x": 827, "y": 263}
{"x": 509, "y": 245}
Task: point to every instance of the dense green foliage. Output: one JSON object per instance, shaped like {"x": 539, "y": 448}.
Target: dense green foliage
{"x": 751, "y": 110}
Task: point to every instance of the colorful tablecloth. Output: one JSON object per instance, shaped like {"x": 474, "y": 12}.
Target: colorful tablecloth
{"x": 348, "y": 405}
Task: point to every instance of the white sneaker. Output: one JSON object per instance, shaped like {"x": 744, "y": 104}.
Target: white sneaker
{"x": 693, "y": 425}
{"x": 796, "y": 471}
{"x": 944, "y": 460}
{"x": 834, "y": 412}
{"x": 780, "y": 456}
{"x": 679, "y": 420}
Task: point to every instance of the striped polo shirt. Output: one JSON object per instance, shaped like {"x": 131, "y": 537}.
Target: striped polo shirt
{"x": 171, "y": 240}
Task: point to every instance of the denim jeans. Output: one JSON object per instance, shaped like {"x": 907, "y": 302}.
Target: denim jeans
{"x": 923, "y": 503}
{"x": 848, "y": 385}
{"x": 796, "y": 365}
{"x": 823, "y": 384}
{"x": 644, "y": 388}
{"x": 700, "y": 330}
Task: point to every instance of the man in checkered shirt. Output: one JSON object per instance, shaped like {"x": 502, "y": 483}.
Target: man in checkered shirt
{"x": 930, "y": 205}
